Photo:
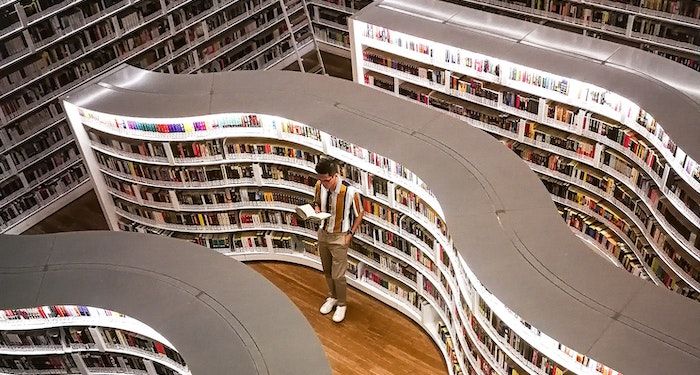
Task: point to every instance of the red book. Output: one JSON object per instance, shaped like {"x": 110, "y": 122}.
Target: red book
{"x": 159, "y": 347}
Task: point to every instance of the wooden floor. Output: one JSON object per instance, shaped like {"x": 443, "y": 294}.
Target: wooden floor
{"x": 374, "y": 338}
{"x": 82, "y": 214}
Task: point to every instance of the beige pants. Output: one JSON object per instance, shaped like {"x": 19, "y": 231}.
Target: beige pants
{"x": 334, "y": 259}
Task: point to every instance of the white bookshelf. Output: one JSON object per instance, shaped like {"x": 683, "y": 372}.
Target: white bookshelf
{"x": 268, "y": 131}
{"x": 20, "y": 336}
{"x": 630, "y": 18}
{"x": 414, "y": 59}
{"x": 33, "y": 71}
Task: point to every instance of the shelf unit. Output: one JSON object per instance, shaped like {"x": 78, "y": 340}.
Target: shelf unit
{"x": 246, "y": 171}
{"x": 602, "y": 153}
{"x": 51, "y": 47}
{"x": 85, "y": 340}
{"x": 330, "y": 22}
{"x": 668, "y": 28}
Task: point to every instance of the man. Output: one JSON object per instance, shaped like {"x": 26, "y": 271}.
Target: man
{"x": 336, "y": 197}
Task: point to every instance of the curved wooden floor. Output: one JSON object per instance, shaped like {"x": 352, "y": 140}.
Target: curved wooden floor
{"x": 374, "y": 338}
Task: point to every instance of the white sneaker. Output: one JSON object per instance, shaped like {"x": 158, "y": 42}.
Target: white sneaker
{"x": 339, "y": 314}
{"x": 328, "y": 305}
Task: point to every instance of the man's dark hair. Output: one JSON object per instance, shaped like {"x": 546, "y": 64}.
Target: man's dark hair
{"x": 326, "y": 166}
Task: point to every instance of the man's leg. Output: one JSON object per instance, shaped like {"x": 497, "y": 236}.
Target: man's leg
{"x": 326, "y": 264}
{"x": 339, "y": 267}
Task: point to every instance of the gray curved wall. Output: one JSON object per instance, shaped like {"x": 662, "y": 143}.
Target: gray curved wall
{"x": 223, "y": 317}
{"x": 502, "y": 220}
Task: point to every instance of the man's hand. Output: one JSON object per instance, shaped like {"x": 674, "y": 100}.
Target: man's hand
{"x": 348, "y": 239}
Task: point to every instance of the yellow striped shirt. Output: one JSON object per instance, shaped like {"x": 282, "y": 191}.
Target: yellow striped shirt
{"x": 344, "y": 206}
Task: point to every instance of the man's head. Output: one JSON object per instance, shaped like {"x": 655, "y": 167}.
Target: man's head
{"x": 327, "y": 173}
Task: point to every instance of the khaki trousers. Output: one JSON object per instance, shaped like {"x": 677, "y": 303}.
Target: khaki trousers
{"x": 334, "y": 259}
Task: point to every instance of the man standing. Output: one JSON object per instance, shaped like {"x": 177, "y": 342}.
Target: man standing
{"x": 336, "y": 197}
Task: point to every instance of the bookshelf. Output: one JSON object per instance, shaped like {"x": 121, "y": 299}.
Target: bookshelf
{"x": 330, "y": 23}
{"x": 50, "y": 48}
{"x": 666, "y": 28}
{"x": 151, "y": 171}
{"x": 582, "y": 138}
{"x": 65, "y": 339}
{"x": 146, "y": 280}
{"x": 401, "y": 256}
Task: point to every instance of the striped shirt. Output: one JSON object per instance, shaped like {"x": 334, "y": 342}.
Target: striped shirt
{"x": 343, "y": 204}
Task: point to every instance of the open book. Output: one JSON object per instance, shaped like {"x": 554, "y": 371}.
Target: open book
{"x": 307, "y": 212}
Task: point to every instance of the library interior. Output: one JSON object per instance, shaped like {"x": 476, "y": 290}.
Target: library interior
{"x": 506, "y": 187}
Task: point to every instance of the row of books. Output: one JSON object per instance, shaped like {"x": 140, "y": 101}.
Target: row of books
{"x": 479, "y": 359}
{"x": 217, "y": 122}
{"x": 381, "y": 211}
{"x": 594, "y": 230}
{"x": 130, "y": 339}
{"x": 414, "y": 203}
{"x": 196, "y": 149}
{"x": 430, "y": 290}
{"x": 619, "y": 164}
{"x": 397, "y": 242}
{"x": 391, "y": 286}
{"x": 599, "y": 208}
{"x": 561, "y": 113}
{"x": 531, "y": 77}
{"x": 621, "y": 197}
{"x": 174, "y": 174}
{"x": 653, "y": 228}
{"x": 42, "y": 195}
{"x": 386, "y": 35}
{"x": 584, "y": 149}
{"x": 180, "y": 218}
{"x": 386, "y": 84}
{"x": 51, "y": 163}
{"x": 521, "y": 102}
{"x": 547, "y": 159}
{"x": 433, "y": 75}
{"x": 446, "y": 338}
{"x": 34, "y": 122}
{"x": 286, "y": 173}
{"x": 272, "y": 149}
{"x": 542, "y": 134}
{"x": 472, "y": 87}
{"x": 290, "y": 127}
{"x": 683, "y": 263}
{"x": 39, "y": 145}
{"x": 481, "y": 64}
{"x": 387, "y": 262}
{"x": 55, "y": 311}
{"x": 498, "y": 356}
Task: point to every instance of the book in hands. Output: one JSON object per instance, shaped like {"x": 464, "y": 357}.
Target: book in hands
{"x": 307, "y": 212}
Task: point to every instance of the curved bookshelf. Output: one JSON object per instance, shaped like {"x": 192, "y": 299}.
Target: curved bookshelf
{"x": 95, "y": 341}
{"x": 427, "y": 70}
{"x": 28, "y": 333}
{"x": 433, "y": 275}
{"x": 404, "y": 238}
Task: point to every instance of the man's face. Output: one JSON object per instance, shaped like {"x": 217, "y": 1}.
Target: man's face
{"x": 328, "y": 181}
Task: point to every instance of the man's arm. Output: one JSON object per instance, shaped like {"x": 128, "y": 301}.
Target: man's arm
{"x": 357, "y": 222}
{"x": 317, "y": 197}
{"x": 359, "y": 213}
